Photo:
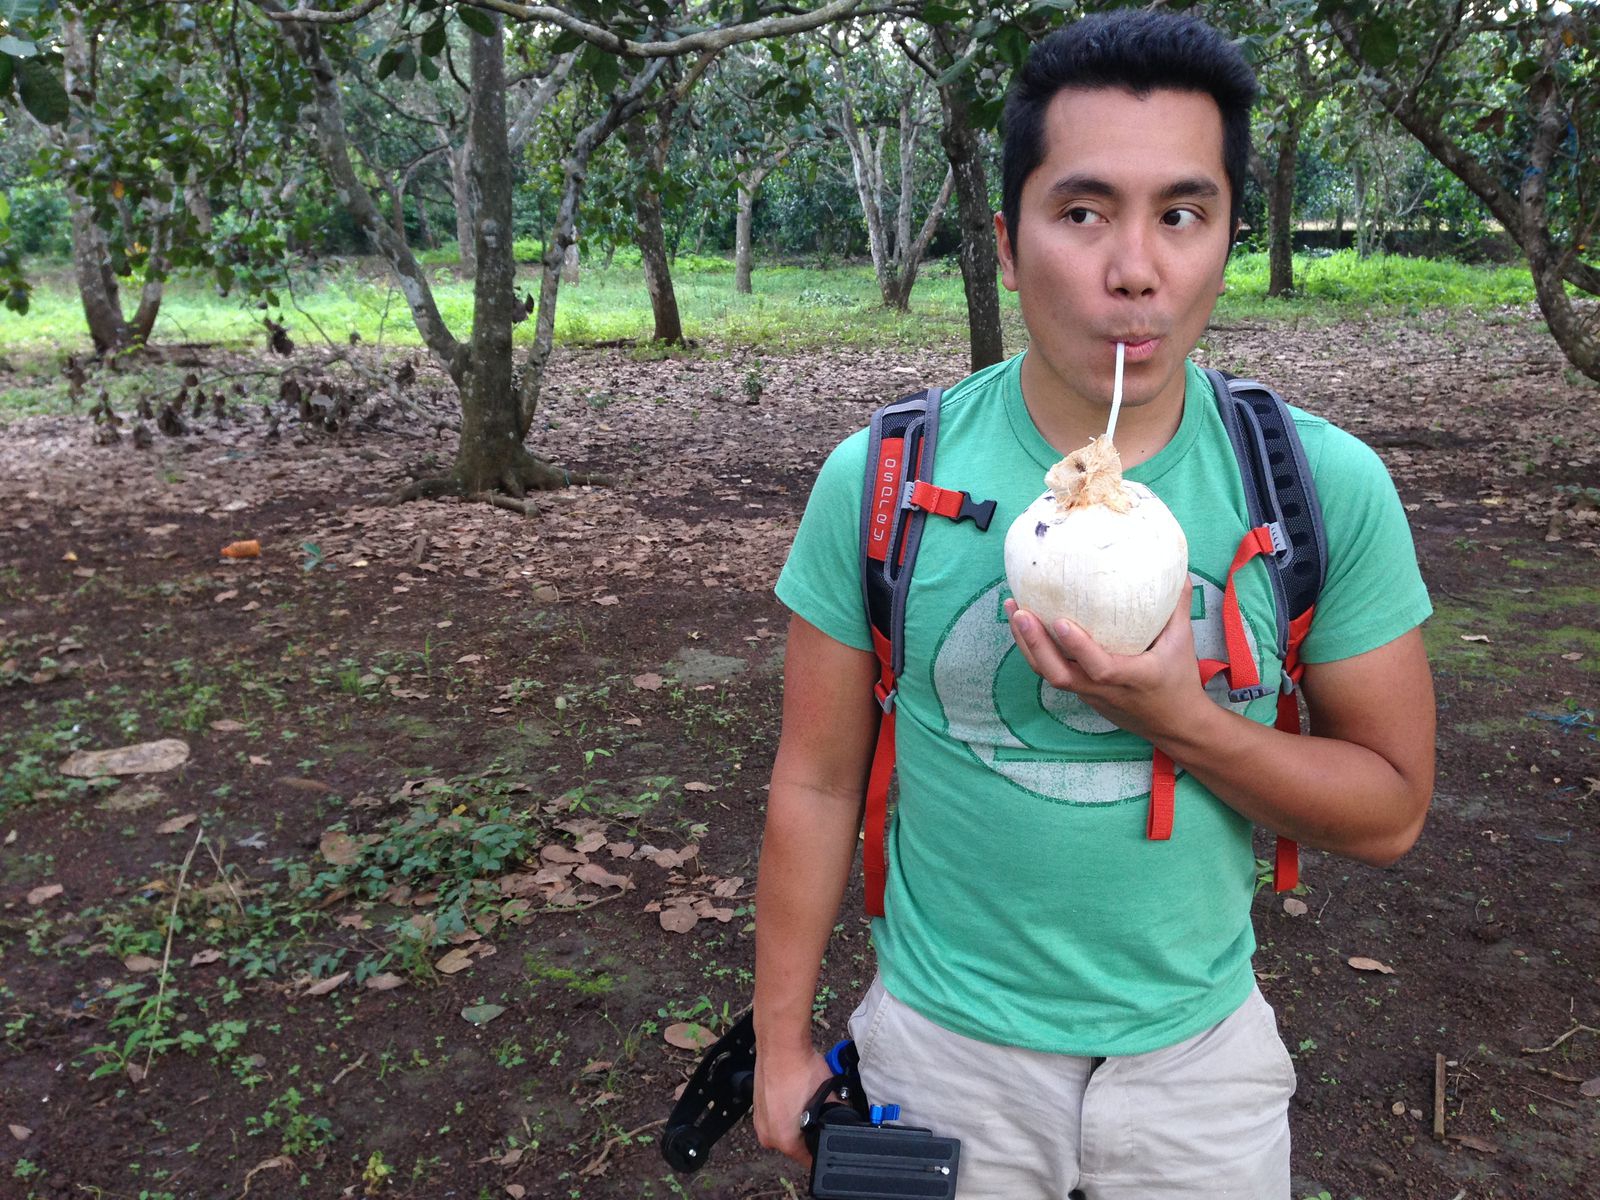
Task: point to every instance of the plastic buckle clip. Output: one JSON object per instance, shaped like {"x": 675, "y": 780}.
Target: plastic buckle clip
{"x": 1242, "y": 695}
{"x": 885, "y": 696}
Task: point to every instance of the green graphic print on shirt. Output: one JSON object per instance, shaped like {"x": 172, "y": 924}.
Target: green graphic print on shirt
{"x": 1025, "y": 905}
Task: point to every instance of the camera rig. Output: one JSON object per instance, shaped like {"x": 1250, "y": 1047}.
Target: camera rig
{"x": 858, "y": 1151}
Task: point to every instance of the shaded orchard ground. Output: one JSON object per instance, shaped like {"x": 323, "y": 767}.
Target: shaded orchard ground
{"x": 463, "y": 851}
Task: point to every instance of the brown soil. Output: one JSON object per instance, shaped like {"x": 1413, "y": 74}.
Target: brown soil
{"x": 607, "y": 673}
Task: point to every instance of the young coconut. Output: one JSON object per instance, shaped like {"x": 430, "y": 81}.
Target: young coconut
{"x": 1099, "y": 550}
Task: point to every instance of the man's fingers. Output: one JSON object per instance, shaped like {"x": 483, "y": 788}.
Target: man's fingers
{"x": 1041, "y": 650}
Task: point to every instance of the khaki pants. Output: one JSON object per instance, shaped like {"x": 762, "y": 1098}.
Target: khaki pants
{"x": 1207, "y": 1118}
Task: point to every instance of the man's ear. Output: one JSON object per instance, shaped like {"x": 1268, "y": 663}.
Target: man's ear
{"x": 1008, "y": 257}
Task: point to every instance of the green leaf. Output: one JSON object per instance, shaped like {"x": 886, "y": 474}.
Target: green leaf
{"x": 1012, "y": 44}
{"x": 17, "y": 48}
{"x": 429, "y": 69}
{"x": 941, "y": 14}
{"x": 389, "y": 63}
{"x": 1380, "y": 44}
{"x": 5, "y": 208}
{"x": 475, "y": 19}
{"x": 482, "y": 1014}
{"x": 406, "y": 67}
{"x": 43, "y": 94}
{"x": 433, "y": 39}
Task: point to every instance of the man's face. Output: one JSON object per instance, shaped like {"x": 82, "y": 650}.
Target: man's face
{"x": 1123, "y": 235}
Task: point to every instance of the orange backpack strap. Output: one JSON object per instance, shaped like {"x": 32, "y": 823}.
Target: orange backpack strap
{"x": 900, "y": 495}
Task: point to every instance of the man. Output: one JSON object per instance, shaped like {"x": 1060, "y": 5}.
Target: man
{"x": 1072, "y": 1000}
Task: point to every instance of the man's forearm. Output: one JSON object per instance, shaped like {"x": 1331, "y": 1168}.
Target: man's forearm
{"x": 806, "y": 854}
{"x": 1320, "y": 791}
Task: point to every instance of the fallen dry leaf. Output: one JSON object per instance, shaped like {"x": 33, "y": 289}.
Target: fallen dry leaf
{"x": 649, "y": 682}
{"x": 339, "y": 848}
{"x": 1295, "y": 908}
{"x": 454, "y": 961}
{"x": 697, "y": 786}
{"x": 178, "y": 824}
{"x": 139, "y": 963}
{"x": 688, "y": 1035}
{"x": 1473, "y": 1142}
{"x": 21, "y": 1132}
{"x": 678, "y": 918}
{"x": 556, "y": 853}
{"x": 229, "y": 725}
{"x": 204, "y": 958}
{"x": 245, "y": 549}
{"x": 1474, "y": 637}
{"x": 596, "y": 874}
{"x": 146, "y": 758}
{"x": 1590, "y": 1087}
{"x": 383, "y": 982}
{"x": 1370, "y": 964}
{"x": 48, "y": 892}
{"x": 328, "y": 984}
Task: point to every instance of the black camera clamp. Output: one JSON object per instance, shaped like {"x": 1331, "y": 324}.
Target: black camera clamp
{"x": 858, "y": 1152}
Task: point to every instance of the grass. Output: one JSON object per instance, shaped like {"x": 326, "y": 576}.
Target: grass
{"x": 794, "y": 308}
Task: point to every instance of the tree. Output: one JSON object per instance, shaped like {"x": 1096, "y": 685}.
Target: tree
{"x": 1504, "y": 95}
{"x": 30, "y": 81}
{"x": 623, "y": 51}
{"x": 877, "y": 92}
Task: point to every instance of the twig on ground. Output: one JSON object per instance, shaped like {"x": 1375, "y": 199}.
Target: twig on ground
{"x": 166, "y": 953}
{"x": 348, "y": 1069}
{"x": 597, "y": 1164}
{"x": 222, "y": 874}
{"x": 1559, "y": 1040}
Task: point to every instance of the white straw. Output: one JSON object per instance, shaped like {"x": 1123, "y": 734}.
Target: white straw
{"x": 1116, "y": 395}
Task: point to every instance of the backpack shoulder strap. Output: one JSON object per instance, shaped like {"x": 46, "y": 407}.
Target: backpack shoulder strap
{"x": 898, "y": 498}
{"x": 1286, "y": 530}
{"x": 1279, "y": 493}
{"x": 900, "y": 445}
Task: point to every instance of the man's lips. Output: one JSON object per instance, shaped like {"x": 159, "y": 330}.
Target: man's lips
{"x": 1136, "y": 347}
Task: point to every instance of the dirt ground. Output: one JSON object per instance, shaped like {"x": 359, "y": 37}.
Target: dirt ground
{"x": 462, "y": 853}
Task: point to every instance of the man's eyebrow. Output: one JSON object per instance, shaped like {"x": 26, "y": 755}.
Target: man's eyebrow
{"x": 1198, "y": 187}
{"x": 1081, "y": 185}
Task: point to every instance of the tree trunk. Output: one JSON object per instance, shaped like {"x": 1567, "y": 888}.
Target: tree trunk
{"x": 866, "y": 166}
{"x": 91, "y": 256}
{"x": 749, "y": 185}
{"x": 907, "y": 276}
{"x": 425, "y": 237}
{"x": 651, "y": 240}
{"x": 461, "y": 189}
{"x": 1280, "y": 207}
{"x": 979, "y": 261}
{"x": 491, "y": 455}
{"x": 1363, "y": 222}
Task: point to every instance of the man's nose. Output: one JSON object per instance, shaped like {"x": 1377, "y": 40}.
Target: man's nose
{"x": 1132, "y": 269}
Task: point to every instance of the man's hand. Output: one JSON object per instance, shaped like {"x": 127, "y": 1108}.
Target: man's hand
{"x": 1147, "y": 694}
{"x": 784, "y": 1086}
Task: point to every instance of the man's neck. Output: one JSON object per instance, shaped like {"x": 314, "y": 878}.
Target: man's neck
{"x": 1067, "y": 422}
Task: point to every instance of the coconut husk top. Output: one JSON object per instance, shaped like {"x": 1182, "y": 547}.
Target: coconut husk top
{"x": 1088, "y": 476}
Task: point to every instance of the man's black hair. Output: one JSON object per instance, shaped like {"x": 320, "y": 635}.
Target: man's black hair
{"x": 1140, "y": 49}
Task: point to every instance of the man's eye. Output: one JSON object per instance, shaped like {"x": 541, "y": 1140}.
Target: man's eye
{"x": 1082, "y": 216}
{"x": 1180, "y": 218}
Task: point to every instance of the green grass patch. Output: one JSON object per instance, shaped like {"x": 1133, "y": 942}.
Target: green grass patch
{"x": 793, "y": 309}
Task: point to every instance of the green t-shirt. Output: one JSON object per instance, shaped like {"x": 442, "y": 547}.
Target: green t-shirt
{"x": 1025, "y": 905}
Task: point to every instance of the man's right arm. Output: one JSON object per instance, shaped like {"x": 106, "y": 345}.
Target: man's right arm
{"x": 830, "y": 722}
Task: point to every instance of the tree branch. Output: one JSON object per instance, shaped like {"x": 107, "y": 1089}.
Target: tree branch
{"x": 333, "y": 143}
{"x": 597, "y": 35}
